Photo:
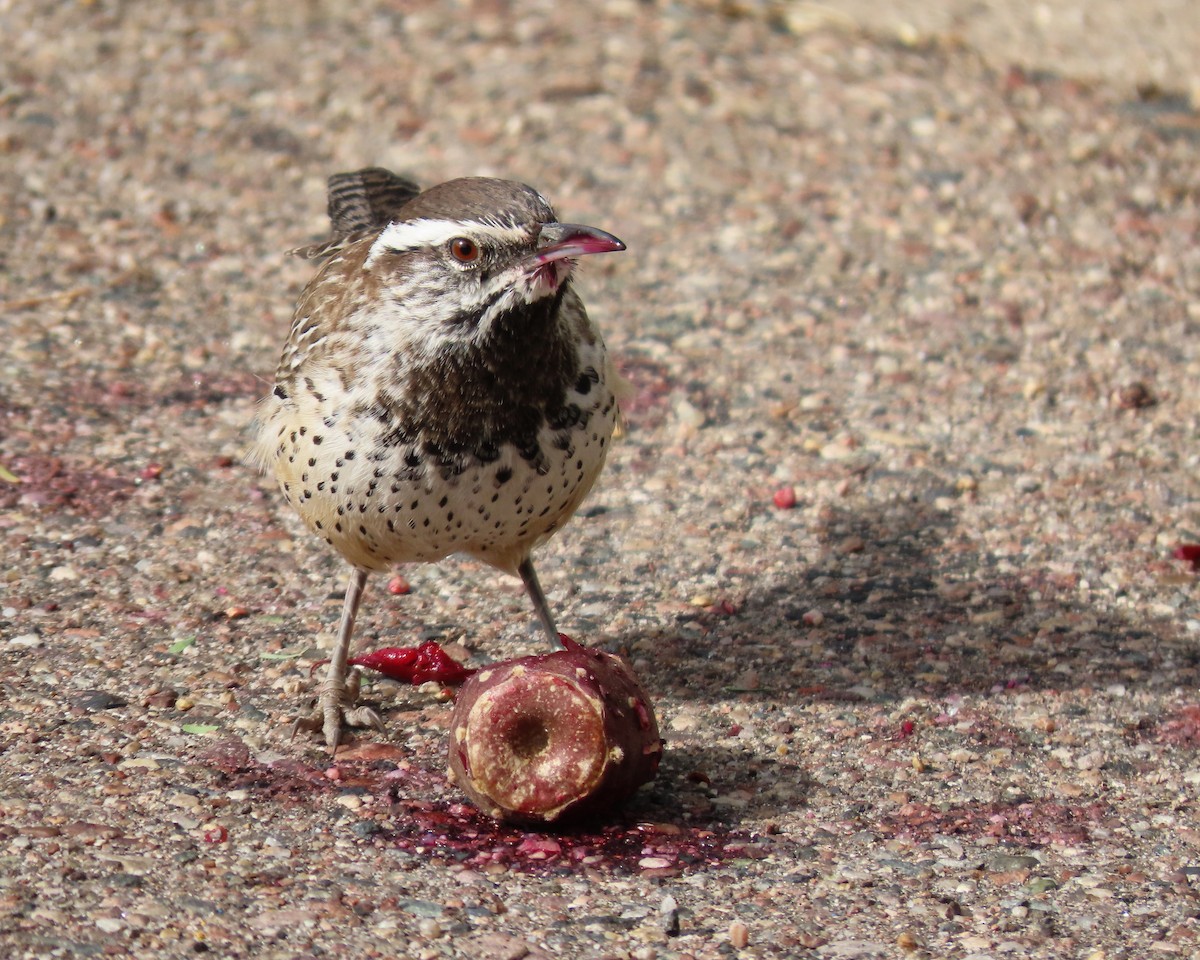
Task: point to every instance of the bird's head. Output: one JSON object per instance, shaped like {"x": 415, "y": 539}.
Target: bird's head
{"x": 467, "y": 252}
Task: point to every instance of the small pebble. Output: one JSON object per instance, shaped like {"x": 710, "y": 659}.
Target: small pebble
{"x": 429, "y": 929}
{"x": 1004, "y": 862}
{"x": 739, "y": 934}
{"x": 669, "y": 912}
{"x": 1134, "y": 396}
{"x": 99, "y": 700}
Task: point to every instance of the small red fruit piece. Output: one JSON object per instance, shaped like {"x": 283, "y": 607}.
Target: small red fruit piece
{"x": 398, "y": 586}
{"x": 1189, "y": 553}
{"x": 785, "y": 498}
{"x": 415, "y": 665}
{"x": 553, "y": 738}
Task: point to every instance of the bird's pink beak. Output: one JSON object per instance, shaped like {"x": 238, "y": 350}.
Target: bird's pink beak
{"x": 565, "y": 241}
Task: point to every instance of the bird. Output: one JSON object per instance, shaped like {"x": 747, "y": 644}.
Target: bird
{"x": 441, "y": 391}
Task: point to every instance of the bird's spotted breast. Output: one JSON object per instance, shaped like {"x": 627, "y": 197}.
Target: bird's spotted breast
{"x": 380, "y": 503}
{"x": 484, "y": 452}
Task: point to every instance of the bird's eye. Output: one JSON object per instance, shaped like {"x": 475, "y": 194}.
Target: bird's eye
{"x": 464, "y": 250}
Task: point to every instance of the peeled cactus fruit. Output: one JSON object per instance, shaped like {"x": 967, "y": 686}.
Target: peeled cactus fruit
{"x": 554, "y": 737}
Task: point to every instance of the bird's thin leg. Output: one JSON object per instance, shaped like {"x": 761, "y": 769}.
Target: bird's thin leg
{"x": 534, "y": 589}
{"x": 335, "y": 679}
{"x": 338, "y": 692}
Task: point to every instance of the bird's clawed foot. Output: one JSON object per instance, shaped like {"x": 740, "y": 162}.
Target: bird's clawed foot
{"x": 335, "y": 709}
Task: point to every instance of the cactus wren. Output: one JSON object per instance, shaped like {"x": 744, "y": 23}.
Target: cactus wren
{"x": 441, "y": 391}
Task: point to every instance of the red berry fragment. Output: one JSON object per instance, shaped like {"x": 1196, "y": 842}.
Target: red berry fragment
{"x": 785, "y": 498}
{"x": 415, "y": 665}
{"x": 1189, "y": 553}
{"x": 398, "y": 586}
{"x": 552, "y": 738}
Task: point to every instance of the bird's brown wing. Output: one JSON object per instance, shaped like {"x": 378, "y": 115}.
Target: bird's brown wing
{"x": 361, "y": 202}
{"x": 367, "y": 199}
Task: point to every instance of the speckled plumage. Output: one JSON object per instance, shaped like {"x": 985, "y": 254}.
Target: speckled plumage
{"x": 425, "y": 406}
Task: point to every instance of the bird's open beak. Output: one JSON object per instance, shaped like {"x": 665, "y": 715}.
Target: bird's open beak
{"x": 565, "y": 241}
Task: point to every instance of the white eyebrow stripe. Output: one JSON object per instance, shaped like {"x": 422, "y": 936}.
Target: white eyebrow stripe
{"x": 416, "y": 234}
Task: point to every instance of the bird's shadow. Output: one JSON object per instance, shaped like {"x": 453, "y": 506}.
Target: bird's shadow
{"x": 898, "y": 606}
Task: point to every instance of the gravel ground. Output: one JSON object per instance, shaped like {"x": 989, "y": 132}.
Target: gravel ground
{"x": 913, "y": 335}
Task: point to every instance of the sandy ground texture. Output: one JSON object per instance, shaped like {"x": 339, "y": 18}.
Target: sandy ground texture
{"x": 1136, "y": 44}
{"x": 912, "y": 327}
